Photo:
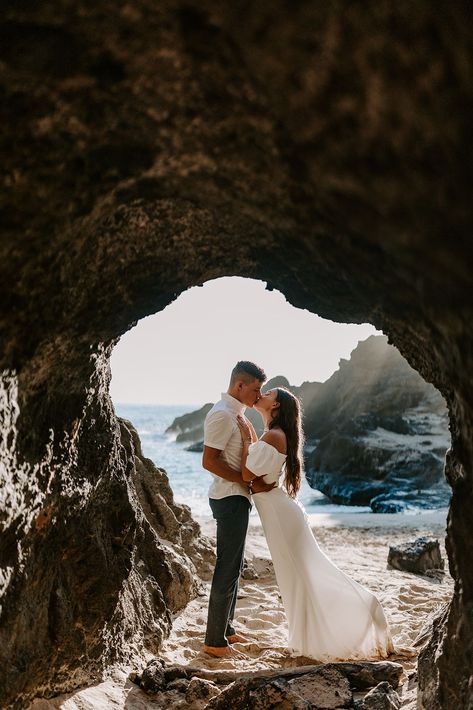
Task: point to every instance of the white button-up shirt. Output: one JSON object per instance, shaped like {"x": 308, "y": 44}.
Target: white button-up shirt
{"x": 221, "y": 432}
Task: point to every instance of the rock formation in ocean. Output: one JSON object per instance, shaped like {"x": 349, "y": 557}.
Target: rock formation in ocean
{"x": 149, "y": 147}
{"x": 381, "y": 433}
{"x": 190, "y": 426}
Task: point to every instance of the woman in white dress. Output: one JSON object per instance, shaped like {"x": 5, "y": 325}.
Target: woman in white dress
{"x": 330, "y": 616}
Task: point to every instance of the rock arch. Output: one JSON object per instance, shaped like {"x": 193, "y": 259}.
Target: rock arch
{"x": 318, "y": 147}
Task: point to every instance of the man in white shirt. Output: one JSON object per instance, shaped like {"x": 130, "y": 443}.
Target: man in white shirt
{"x": 230, "y": 501}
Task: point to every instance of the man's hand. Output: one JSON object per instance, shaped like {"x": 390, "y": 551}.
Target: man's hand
{"x": 260, "y": 486}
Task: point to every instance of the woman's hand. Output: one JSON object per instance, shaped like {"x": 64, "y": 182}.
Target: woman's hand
{"x": 260, "y": 485}
{"x": 252, "y": 429}
{"x": 244, "y": 427}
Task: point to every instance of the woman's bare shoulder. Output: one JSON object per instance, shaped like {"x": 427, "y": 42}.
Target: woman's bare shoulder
{"x": 277, "y": 438}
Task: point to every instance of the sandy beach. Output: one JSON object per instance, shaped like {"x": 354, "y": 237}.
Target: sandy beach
{"x": 358, "y": 550}
{"x": 357, "y": 543}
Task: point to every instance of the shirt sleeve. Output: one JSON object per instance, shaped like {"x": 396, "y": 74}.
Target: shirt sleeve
{"x": 218, "y": 428}
{"x": 262, "y": 458}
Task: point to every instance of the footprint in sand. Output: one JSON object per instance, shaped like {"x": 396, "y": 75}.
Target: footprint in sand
{"x": 260, "y": 624}
{"x": 188, "y": 633}
{"x": 274, "y": 616}
{"x": 253, "y": 591}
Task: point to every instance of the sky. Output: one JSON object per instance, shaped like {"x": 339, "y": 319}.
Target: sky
{"x": 185, "y": 353}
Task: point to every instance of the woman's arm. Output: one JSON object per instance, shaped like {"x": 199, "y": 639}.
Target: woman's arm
{"x": 254, "y": 436}
{"x": 257, "y": 483}
{"x": 246, "y": 440}
{"x": 246, "y": 474}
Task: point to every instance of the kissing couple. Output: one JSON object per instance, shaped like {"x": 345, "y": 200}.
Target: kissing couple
{"x": 330, "y": 617}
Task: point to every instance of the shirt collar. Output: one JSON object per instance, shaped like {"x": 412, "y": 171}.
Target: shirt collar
{"x": 234, "y": 404}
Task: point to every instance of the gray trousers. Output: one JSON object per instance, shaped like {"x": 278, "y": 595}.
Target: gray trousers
{"x": 231, "y": 514}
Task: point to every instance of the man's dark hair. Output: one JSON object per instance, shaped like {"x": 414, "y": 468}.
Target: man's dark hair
{"x": 246, "y": 370}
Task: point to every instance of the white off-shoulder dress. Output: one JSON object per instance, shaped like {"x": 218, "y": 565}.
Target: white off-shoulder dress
{"x": 330, "y": 616}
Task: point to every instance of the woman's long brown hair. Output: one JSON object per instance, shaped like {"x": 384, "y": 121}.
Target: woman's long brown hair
{"x": 288, "y": 417}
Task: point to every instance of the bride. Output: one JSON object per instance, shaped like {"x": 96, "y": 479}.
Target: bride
{"x": 329, "y": 615}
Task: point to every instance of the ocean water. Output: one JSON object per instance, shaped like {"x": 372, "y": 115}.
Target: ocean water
{"x": 189, "y": 481}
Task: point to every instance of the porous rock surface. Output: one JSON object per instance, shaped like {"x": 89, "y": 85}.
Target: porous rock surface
{"x": 382, "y": 697}
{"x": 327, "y": 686}
{"x": 150, "y": 147}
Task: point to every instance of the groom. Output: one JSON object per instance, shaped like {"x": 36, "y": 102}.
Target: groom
{"x": 230, "y": 501}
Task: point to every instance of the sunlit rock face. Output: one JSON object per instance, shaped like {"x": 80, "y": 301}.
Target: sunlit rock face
{"x": 95, "y": 554}
{"x": 321, "y": 147}
{"x": 381, "y": 433}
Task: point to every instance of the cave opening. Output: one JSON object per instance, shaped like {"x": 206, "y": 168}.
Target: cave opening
{"x": 179, "y": 360}
{"x": 160, "y": 525}
{"x": 410, "y": 427}
{"x": 172, "y": 366}
{"x": 100, "y": 491}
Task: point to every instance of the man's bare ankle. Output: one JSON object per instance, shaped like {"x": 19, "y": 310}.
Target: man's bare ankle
{"x": 236, "y": 638}
{"x": 218, "y": 651}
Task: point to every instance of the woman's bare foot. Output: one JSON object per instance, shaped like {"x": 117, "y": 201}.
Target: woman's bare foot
{"x": 237, "y": 638}
{"x": 222, "y": 652}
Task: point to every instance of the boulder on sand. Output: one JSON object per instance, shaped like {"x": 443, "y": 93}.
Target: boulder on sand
{"x": 419, "y": 556}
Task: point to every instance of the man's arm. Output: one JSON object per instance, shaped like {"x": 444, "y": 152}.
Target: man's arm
{"x": 259, "y": 485}
{"x": 212, "y": 461}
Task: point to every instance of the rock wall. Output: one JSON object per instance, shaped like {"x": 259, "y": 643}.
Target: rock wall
{"x": 95, "y": 555}
{"x": 147, "y": 148}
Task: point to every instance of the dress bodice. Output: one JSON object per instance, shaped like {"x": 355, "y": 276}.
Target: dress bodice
{"x": 265, "y": 460}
